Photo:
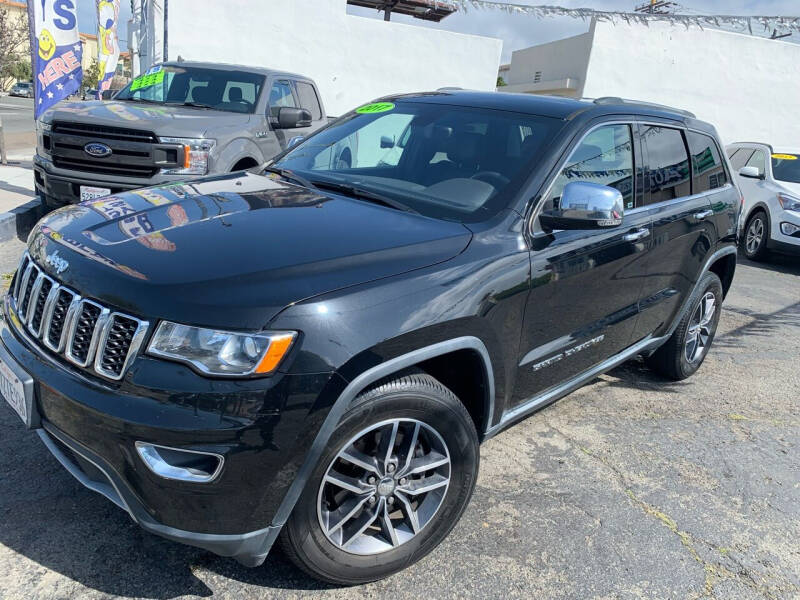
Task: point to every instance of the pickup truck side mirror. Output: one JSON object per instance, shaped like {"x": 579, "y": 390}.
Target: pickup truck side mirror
{"x": 585, "y": 205}
{"x": 387, "y": 142}
{"x": 751, "y": 173}
{"x": 292, "y": 118}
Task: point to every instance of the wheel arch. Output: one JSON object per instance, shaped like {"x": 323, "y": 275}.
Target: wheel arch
{"x": 724, "y": 266}
{"x": 470, "y": 347}
{"x": 762, "y": 206}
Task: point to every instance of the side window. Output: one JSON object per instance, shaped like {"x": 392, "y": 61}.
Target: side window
{"x": 279, "y": 96}
{"x": 604, "y": 156}
{"x": 759, "y": 161}
{"x": 308, "y": 99}
{"x": 708, "y": 171}
{"x": 740, "y": 158}
{"x": 668, "y": 164}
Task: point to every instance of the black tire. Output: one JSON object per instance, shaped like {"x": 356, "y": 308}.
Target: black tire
{"x": 758, "y": 222}
{"x": 414, "y": 396}
{"x": 671, "y": 359}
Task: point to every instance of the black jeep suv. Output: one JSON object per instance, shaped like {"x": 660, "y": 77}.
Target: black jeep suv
{"x": 312, "y": 351}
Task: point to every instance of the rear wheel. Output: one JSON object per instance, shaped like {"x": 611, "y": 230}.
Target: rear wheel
{"x": 756, "y": 236}
{"x": 686, "y": 349}
{"x": 395, "y": 478}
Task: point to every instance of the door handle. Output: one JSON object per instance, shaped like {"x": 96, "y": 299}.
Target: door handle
{"x": 635, "y": 236}
{"x": 702, "y": 215}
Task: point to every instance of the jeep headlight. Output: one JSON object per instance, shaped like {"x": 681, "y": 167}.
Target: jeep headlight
{"x": 196, "y": 152}
{"x": 227, "y": 353}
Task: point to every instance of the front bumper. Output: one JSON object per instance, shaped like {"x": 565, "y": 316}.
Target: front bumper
{"x": 779, "y": 241}
{"x": 96, "y": 474}
{"x": 91, "y": 427}
{"x": 61, "y": 186}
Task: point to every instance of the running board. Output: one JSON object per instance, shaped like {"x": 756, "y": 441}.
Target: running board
{"x": 537, "y": 402}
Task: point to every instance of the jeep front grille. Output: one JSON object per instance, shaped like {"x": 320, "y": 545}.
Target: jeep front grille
{"x": 85, "y": 333}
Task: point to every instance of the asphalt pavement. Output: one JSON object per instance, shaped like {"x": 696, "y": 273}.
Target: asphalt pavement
{"x": 632, "y": 487}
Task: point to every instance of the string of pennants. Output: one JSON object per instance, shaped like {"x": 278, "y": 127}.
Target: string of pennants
{"x": 739, "y": 22}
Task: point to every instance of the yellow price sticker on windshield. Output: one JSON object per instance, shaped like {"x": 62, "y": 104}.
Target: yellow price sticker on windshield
{"x": 784, "y": 157}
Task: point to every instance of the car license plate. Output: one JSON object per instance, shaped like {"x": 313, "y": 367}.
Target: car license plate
{"x": 90, "y": 193}
{"x": 13, "y": 390}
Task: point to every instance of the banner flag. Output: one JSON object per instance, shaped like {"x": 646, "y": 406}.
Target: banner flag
{"x": 107, "y": 42}
{"x": 55, "y": 51}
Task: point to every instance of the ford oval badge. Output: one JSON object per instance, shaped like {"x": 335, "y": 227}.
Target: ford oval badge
{"x": 97, "y": 149}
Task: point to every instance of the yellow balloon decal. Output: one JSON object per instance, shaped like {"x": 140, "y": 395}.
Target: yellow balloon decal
{"x": 47, "y": 45}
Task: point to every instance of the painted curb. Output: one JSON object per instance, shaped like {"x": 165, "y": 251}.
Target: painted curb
{"x": 8, "y": 226}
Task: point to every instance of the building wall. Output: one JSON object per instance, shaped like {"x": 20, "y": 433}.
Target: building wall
{"x": 746, "y": 86}
{"x": 352, "y": 59}
{"x": 560, "y": 67}
{"x": 16, "y": 10}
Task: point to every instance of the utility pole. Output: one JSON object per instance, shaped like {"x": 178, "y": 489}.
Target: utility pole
{"x": 166, "y": 29}
{"x": 657, "y": 7}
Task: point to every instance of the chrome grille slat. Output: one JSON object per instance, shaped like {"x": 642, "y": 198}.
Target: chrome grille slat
{"x": 83, "y": 331}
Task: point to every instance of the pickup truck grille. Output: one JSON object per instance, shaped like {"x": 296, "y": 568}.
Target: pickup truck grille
{"x": 85, "y": 333}
{"x": 134, "y": 153}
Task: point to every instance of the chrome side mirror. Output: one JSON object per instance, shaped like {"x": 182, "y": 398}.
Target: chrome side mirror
{"x": 751, "y": 173}
{"x": 585, "y": 205}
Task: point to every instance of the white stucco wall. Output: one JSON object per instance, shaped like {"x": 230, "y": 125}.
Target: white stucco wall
{"x": 746, "y": 86}
{"x": 352, "y": 59}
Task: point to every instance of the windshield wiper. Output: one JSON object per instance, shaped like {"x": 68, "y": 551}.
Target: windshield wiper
{"x": 291, "y": 176}
{"x": 193, "y": 104}
{"x": 357, "y": 192}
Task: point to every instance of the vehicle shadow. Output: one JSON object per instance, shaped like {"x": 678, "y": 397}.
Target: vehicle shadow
{"x": 54, "y": 522}
{"x": 779, "y": 263}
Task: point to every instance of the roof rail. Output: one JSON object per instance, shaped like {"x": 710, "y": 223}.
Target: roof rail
{"x": 617, "y": 100}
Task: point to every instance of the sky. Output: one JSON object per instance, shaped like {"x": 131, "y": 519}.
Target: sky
{"x": 521, "y": 31}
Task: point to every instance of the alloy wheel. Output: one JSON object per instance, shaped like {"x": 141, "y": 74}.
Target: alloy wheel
{"x": 699, "y": 331}
{"x": 755, "y": 233}
{"x": 384, "y": 486}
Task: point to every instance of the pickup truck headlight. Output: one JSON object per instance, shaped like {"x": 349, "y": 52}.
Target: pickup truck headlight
{"x": 195, "y": 155}
{"x": 789, "y": 202}
{"x": 215, "y": 352}
{"x": 43, "y": 136}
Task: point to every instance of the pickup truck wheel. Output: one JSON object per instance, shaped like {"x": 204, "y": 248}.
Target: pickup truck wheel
{"x": 686, "y": 349}
{"x": 394, "y": 479}
{"x": 756, "y": 236}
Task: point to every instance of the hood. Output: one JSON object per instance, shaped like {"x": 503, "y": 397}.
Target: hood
{"x": 232, "y": 250}
{"x": 173, "y": 121}
{"x": 789, "y": 187}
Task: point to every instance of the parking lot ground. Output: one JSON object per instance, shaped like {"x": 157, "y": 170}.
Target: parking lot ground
{"x": 632, "y": 487}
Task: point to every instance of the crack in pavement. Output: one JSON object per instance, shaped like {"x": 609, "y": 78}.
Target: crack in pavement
{"x": 714, "y": 572}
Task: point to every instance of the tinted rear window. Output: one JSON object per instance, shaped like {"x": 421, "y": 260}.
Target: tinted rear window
{"x": 708, "y": 171}
{"x": 668, "y": 163}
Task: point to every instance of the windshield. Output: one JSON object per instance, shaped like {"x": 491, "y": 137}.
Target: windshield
{"x": 231, "y": 91}
{"x": 443, "y": 161}
{"x": 786, "y": 167}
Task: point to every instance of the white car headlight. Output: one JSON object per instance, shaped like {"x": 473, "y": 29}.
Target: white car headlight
{"x": 196, "y": 152}
{"x": 789, "y": 202}
{"x": 789, "y": 229}
{"x": 43, "y": 127}
{"x": 215, "y": 352}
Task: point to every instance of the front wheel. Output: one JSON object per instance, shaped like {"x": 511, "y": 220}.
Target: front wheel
{"x": 756, "y": 236}
{"x": 686, "y": 349}
{"x": 395, "y": 478}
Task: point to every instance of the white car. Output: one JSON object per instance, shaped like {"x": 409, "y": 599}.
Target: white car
{"x": 770, "y": 182}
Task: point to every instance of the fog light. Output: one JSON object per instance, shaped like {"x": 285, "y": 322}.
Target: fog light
{"x": 789, "y": 229}
{"x": 180, "y": 465}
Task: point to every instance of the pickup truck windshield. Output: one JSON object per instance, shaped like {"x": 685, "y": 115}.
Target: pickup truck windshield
{"x": 443, "y": 161}
{"x": 232, "y": 91}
